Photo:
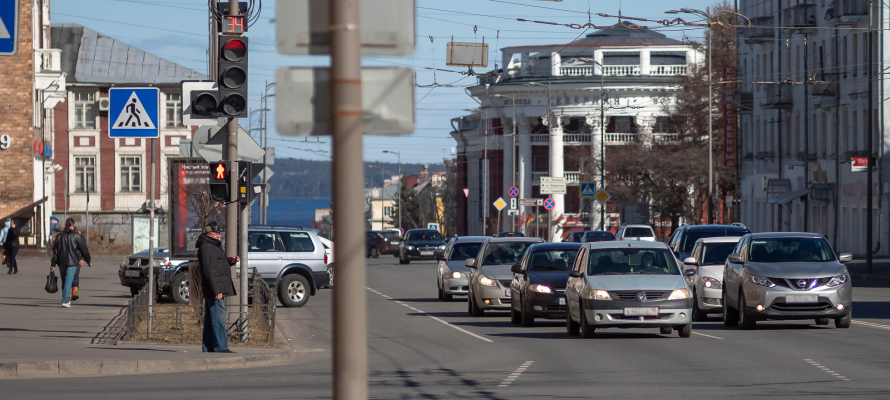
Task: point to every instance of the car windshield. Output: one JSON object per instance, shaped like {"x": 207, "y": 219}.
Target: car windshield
{"x": 553, "y": 260}
{"x": 638, "y": 232}
{"x": 716, "y": 253}
{"x": 424, "y": 235}
{"x": 779, "y": 250}
{"x": 463, "y": 251}
{"x": 390, "y": 235}
{"x": 504, "y": 253}
{"x": 693, "y": 235}
{"x": 631, "y": 262}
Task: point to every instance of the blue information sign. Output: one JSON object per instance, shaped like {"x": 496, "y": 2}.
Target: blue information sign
{"x": 133, "y": 112}
{"x": 9, "y": 27}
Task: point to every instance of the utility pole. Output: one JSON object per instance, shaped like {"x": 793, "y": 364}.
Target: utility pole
{"x": 806, "y": 129}
{"x": 151, "y": 236}
{"x": 399, "y": 155}
{"x": 232, "y": 155}
{"x": 710, "y": 120}
{"x": 350, "y": 361}
{"x": 869, "y": 240}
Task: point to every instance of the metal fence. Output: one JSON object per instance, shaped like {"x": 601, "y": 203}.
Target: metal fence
{"x": 184, "y": 323}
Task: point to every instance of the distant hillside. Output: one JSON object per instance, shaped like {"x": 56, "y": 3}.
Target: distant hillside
{"x": 310, "y": 178}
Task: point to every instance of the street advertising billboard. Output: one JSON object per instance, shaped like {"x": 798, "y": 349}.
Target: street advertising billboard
{"x": 860, "y": 164}
{"x": 729, "y": 126}
{"x": 190, "y": 205}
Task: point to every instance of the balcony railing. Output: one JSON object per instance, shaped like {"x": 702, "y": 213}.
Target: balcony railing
{"x": 800, "y": 16}
{"x": 536, "y": 176}
{"x": 667, "y": 70}
{"x": 576, "y": 138}
{"x": 610, "y": 138}
{"x": 576, "y": 71}
{"x": 621, "y": 70}
{"x": 541, "y": 138}
{"x": 620, "y": 138}
{"x": 762, "y": 29}
{"x": 47, "y": 60}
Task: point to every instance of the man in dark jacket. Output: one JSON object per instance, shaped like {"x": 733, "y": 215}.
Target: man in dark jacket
{"x": 69, "y": 252}
{"x": 216, "y": 283}
{"x": 11, "y": 245}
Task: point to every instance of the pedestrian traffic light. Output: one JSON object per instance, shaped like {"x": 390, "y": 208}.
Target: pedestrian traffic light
{"x": 219, "y": 181}
{"x": 233, "y": 76}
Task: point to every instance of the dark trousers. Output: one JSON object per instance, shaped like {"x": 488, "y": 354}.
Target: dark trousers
{"x": 214, "y": 326}
{"x": 11, "y": 252}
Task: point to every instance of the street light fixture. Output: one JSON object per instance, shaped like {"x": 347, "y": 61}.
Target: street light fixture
{"x": 399, "y": 155}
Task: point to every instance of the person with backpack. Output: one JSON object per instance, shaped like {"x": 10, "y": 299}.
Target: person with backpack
{"x": 69, "y": 252}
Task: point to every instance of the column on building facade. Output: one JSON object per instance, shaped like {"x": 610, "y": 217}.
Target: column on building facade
{"x": 598, "y": 65}
{"x": 645, "y": 125}
{"x": 596, "y": 154}
{"x": 524, "y": 67}
{"x": 690, "y": 58}
{"x": 509, "y": 150}
{"x": 557, "y": 164}
{"x": 505, "y": 61}
{"x": 524, "y": 175}
{"x": 555, "y": 63}
{"x": 644, "y": 62}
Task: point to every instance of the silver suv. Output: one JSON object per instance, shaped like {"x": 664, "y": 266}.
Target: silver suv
{"x": 291, "y": 260}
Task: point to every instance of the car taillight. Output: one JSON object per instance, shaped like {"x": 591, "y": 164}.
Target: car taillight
{"x": 325, "y": 258}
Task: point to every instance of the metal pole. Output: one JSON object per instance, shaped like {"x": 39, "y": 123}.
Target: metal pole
{"x": 869, "y": 240}
{"x": 350, "y": 361}
{"x": 602, "y": 152}
{"x": 806, "y": 130}
{"x": 710, "y": 122}
{"x": 513, "y": 156}
{"x": 244, "y": 326}
{"x": 399, "y": 155}
{"x": 151, "y": 236}
{"x": 232, "y": 155}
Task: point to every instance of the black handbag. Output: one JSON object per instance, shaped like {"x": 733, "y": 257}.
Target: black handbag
{"x": 52, "y": 282}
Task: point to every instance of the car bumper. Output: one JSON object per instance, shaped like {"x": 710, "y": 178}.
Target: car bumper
{"x": 776, "y": 307}
{"x": 416, "y": 255}
{"x": 389, "y": 250}
{"x": 610, "y": 313}
{"x": 546, "y": 305}
{"x": 710, "y": 299}
{"x": 498, "y": 297}
{"x": 456, "y": 286}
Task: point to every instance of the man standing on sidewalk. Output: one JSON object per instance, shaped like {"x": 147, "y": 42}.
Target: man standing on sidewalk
{"x": 216, "y": 283}
{"x": 69, "y": 252}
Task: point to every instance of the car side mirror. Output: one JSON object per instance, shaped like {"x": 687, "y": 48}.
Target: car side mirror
{"x": 516, "y": 269}
{"x": 470, "y": 263}
{"x": 440, "y": 255}
{"x": 574, "y": 274}
{"x": 689, "y": 261}
{"x": 844, "y": 258}
{"x": 735, "y": 258}
{"x": 689, "y": 272}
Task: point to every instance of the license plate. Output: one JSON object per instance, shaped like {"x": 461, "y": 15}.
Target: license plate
{"x": 426, "y": 253}
{"x": 801, "y": 298}
{"x": 506, "y": 293}
{"x": 394, "y": 242}
{"x": 132, "y": 274}
{"x": 562, "y": 301}
{"x": 641, "y": 311}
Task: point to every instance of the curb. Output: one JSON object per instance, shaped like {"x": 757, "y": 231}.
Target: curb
{"x": 56, "y": 369}
{"x": 873, "y": 278}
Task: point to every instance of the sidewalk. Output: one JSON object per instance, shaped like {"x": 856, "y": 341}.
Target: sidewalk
{"x": 41, "y": 339}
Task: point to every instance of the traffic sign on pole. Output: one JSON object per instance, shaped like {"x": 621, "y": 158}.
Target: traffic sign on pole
{"x": 513, "y": 203}
{"x": 9, "y": 27}
{"x": 551, "y": 185}
{"x": 602, "y": 196}
{"x": 513, "y": 191}
{"x": 432, "y": 226}
{"x": 549, "y": 204}
{"x": 500, "y": 203}
{"x": 588, "y": 189}
{"x": 531, "y": 202}
{"x": 133, "y": 112}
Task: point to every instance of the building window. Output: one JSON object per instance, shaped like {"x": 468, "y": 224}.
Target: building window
{"x": 173, "y": 106}
{"x": 85, "y": 174}
{"x": 131, "y": 174}
{"x": 662, "y": 125}
{"x": 84, "y": 110}
{"x": 389, "y": 211}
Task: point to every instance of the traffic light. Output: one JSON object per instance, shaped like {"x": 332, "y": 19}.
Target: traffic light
{"x": 232, "y": 76}
{"x": 205, "y": 103}
{"x": 247, "y": 171}
{"x": 219, "y": 181}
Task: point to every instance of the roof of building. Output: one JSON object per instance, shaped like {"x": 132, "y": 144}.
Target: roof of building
{"x": 626, "y": 33}
{"x": 91, "y": 57}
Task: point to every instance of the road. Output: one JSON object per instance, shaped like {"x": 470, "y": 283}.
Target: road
{"x": 421, "y": 348}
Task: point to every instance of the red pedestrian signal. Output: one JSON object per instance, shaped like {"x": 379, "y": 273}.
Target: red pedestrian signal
{"x": 220, "y": 171}
{"x": 219, "y": 182}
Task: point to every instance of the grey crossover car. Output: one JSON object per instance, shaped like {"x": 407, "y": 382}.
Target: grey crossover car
{"x": 490, "y": 274}
{"x": 635, "y": 284}
{"x": 786, "y": 276}
{"x": 707, "y": 259}
{"x": 451, "y": 275}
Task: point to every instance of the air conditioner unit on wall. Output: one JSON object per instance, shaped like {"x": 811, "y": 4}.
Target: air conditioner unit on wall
{"x": 104, "y": 104}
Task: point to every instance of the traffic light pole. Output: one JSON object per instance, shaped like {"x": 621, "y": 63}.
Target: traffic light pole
{"x": 350, "y": 364}
{"x": 232, "y": 155}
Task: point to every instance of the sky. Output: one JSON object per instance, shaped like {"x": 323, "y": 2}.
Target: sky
{"x": 176, "y": 30}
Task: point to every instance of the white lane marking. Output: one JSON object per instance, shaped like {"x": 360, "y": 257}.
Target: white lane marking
{"x": 438, "y": 319}
{"x": 512, "y": 377}
{"x": 872, "y": 325}
{"x": 826, "y": 369}
{"x": 712, "y": 337}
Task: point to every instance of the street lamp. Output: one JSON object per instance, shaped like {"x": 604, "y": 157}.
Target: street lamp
{"x": 707, "y": 15}
{"x": 399, "y": 155}
{"x": 512, "y": 98}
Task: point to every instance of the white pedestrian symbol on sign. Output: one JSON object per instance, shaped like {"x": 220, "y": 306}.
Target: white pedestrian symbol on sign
{"x": 133, "y": 116}
{"x": 4, "y": 33}
{"x": 588, "y": 190}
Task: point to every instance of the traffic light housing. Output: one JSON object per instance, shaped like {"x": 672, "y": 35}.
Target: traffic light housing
{"x": 232, "y": 77}
{"x": 219, "y": 181}
{"x": 205, "y": 103}
{"x": 247, "y": 171}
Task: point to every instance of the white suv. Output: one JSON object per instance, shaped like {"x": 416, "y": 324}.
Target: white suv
{"x": 291, "y": 260}
{"x": 635, "y": 232}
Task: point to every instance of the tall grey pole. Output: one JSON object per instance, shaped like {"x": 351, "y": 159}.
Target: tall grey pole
{"x": 710, "y": 120}
{"x": 399, "y": 156}
{"x": 242, "y": 249}
{"x": 232, "y": 155}
{"x": 513, "y": 157}
{"x": 350, "y": 361}
{"x": 602, "y": 149}
{"x": 151, "y": 236}
{"x": 871, "y": 138}
{"x": 806, "y": 129}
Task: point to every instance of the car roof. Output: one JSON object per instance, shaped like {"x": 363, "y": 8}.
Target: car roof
{"x": 479, "y": 239}
{"x": 624, "y": 245}
{"x": 280, "y": 228}
{"x": 720, "y": 239}
{"x": 558, "y": 246}
{"x": 715, "y": 227}
{"x": 421, "y": 229}
{"x": 515, "y": 240}
{"x": 770, "y": 235}
{"x": 637, "y": 226}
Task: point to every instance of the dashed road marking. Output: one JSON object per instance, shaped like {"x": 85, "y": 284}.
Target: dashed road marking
{"x": 419, "y": 311}
{"x": 712, "y": 337}
{"x": 826, "y": 369}
{"x": 872, "y": 325}
{"x": 512, "y": 377}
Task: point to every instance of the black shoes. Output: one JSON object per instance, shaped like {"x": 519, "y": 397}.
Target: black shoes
{"x": 225, "y": 351}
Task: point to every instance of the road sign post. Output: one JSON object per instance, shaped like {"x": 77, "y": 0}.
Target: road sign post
{"x": 550, "y": 185}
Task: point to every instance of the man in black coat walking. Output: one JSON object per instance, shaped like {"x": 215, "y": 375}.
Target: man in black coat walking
{"x": 216, "y": 283}
{"x": 11, "y": 245}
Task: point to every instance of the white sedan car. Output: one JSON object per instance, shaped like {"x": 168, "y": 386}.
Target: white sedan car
{"x": 707, "y": 259}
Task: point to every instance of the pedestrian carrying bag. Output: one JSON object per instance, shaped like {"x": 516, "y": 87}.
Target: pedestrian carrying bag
{"x": 52, "y": 282}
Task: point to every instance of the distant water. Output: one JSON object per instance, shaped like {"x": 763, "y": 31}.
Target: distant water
{"x": 295, "y": 212}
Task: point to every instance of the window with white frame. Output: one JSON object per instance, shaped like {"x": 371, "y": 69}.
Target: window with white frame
{"x": 84, "y": 110}
{"x": 84, "y": 174}
{"x": 131, "y": 174}
{"x": 173, "y": 107}
{"x": 389, "y": 211}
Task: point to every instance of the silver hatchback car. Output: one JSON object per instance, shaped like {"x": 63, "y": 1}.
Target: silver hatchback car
{"x": 451, "y": 276}
{"x": 707, "y": 258}
{"x": 786, "y": 276}
{"x": 490, "y": 274}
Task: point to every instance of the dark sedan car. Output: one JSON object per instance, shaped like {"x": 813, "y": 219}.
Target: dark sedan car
{"x": 382, "y": 242}
{"x": 590, "y": 236}
{"x": 420, "y": 244}
{"x": 539, "y": 282}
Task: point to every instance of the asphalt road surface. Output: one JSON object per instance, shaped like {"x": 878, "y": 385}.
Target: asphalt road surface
{"x": 422, "y": 348}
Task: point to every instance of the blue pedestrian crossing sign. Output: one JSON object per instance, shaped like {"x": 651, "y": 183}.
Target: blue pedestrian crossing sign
{"x": 9, "y": 27}
{"x": 133, "y": 112}
{"x": 588, "y": 189}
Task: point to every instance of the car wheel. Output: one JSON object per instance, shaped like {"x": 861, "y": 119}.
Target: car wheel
{"x": 470, "y": 304}
{"x": 730, "y": 315}
{"x": 439, "y": 292}
{"x": 179, "y": 287}
{"x": 134, "y": 290}
{"x": 446, "y": 296}
{"x": 515, "y": 316}
{"x": 572, "y": 327}
{"x": 374, "y": 252}
{"x": 745, "y": 320}
{"x": 844, "y": 322}
{"x": 293, "y": 290}
{"x": 330, "y": 276}
{"x": 586, "y": 330}
{"x": 822, "y": 321}
{"x": 527, "y": 319}
{"x": 474, "y": 308}
{"x": 697, "y": 314}
{"x": 685, "y": 331}
{"x": 666, "y": 330}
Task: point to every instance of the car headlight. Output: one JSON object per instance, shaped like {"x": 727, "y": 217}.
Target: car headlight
{"x": 761, "y": 281}
{"x": 679, "y": 294}
{"x": 712, "y": 283}
{"x": 597, "y": 294}
{"x": 456, "y": 275}
{"x": 540, "y": 288}
{"x": 837, "y": 281}
{"x": 487, "y": 282}
{"x": 442, "y": 247}
{"x": 410, "y": 247}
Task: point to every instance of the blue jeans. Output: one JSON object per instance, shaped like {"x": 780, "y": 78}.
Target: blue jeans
{"x": 67, "y": 279}
{"x": 214, "y": 326}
